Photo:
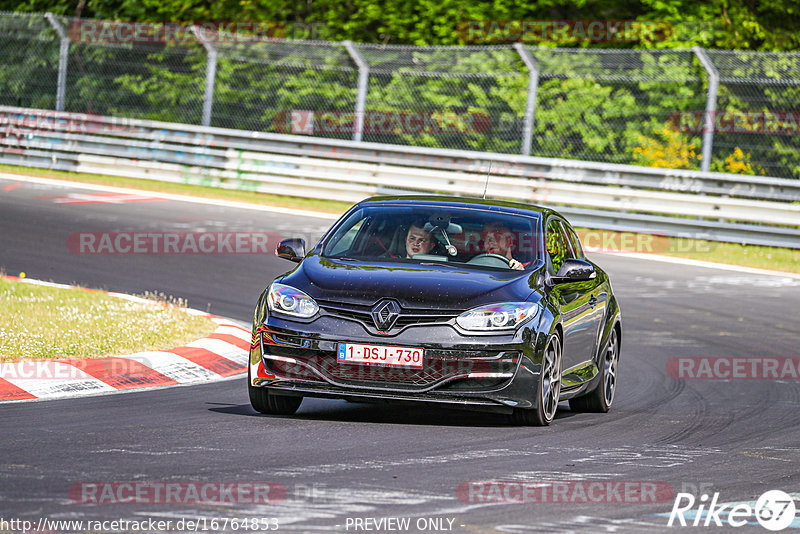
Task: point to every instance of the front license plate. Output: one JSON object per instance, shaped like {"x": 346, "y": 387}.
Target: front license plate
{"x": 381, "y": 354}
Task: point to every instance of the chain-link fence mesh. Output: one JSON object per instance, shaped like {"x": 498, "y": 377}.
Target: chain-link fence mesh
{"x": 617, "y": 106}
{"x": 757, "y": 123}
{"x": 29, "y": 48}
{"x": 113, "y": 72}
{"x": 285, "y": 87}
{"x": 643, "y": 107}
{"x": 448, "y": 97}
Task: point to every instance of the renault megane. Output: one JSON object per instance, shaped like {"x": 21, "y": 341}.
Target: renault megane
{"x": 456, "y": 302}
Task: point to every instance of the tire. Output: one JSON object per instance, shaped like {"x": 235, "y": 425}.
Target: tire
{"x": 599, "y": 400}
{"x": 267, "y": 402}
{"x": 547, "y": 391}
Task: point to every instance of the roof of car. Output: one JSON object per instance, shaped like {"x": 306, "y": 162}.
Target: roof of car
{"x": 462, "y": 202}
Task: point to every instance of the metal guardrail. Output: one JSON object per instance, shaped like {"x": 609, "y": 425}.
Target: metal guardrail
{"x": 713, "y": 206}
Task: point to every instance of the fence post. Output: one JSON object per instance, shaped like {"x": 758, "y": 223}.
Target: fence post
{"x": 363, "y": 79}
{"x": 711, "y": 106}
{"x": 530, "y": 102}
{"x": 211, "y": 75}
{"x": 63, "y": 58}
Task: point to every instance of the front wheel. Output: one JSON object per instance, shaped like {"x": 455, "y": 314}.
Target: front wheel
{"x": 600, "y": 399}
{"x": 548, "y": 390}
{"x": 264, "y": 401}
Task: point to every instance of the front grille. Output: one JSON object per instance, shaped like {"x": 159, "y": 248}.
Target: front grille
{"x": 407, "y": 317}
{"x": 437, "y": 368}
{"x": 413, "y": 378}
{"x": 347, "y": 311}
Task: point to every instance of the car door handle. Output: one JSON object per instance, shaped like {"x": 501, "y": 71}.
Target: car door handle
{"x": 593, "y": 301}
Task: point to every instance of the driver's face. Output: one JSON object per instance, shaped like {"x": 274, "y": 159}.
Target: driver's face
{"x": 418, "y": 241}
{"x": 497, "y": 241}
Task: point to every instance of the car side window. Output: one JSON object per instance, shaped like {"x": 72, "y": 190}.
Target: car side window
{"x": 347, "y": 239}
{"x": 577, "y": 248}
{"x": 558, "y": 247}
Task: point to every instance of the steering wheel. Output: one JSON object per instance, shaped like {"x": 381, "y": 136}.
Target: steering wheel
{"x": 490, "y": 256}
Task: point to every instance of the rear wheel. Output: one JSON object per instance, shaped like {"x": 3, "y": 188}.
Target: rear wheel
{"x": 548, "y": 390}
{"x": 265, "y": 401}
{"x": 600, "y": 399}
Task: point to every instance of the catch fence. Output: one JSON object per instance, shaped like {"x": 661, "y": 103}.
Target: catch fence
{"x": 662, "y": 108}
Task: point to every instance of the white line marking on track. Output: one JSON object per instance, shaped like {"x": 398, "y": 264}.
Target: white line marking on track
{"x": 385, "y": 464}
{"x": 170, "y": 196}
{"x": 328, "y": 216}
{"x": 697, "y": 263}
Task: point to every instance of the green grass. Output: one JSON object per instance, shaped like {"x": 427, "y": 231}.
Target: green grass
{"x": 779, "y": 259}
{"x": 773, "y": 258}
{"x": 776, "y": 259}
{"x": 40, "y": 322}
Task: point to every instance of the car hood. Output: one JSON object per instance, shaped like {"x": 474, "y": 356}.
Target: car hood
{"x": 429, "y": 285}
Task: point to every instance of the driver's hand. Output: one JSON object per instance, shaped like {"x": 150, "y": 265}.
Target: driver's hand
{"x": 514, "y": 264}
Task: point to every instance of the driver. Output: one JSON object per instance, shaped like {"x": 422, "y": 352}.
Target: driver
{"x": 498, "y": 239}
{"x": 418, "y": 241}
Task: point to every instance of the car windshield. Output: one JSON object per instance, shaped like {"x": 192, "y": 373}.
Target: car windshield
{"x": 475, "y": 237}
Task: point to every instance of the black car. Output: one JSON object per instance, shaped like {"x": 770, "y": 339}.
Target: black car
{"x": 447, "y": 301}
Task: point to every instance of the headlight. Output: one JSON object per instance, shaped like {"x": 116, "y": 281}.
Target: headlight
{"x": 291, "y": 301}
{"x": 505, "y": 316}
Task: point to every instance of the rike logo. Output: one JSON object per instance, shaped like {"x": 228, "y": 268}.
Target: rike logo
{"x": 774, "y": 510}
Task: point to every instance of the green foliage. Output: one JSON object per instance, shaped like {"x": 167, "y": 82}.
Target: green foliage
{"x": 735, "y": 24}
{"x": 29, "y": 60}
{"x": 587, "y": 106}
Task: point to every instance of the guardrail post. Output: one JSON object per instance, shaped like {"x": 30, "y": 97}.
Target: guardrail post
{"x": 63, "y": 58}
{"x": 711, "y": 106}
{"x": 530, "y": 102}
{"x": 211, "y": 75}
{"x": 361, "y": 96}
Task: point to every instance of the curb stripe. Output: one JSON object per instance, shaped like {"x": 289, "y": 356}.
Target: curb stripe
{"x": 52, "y": 379}
{"x": 124, "y": 373}
{"x": 179, "y": 369}
{"x": 9, "y": 391}
{"x": 208, "y": 360}
{"x": 236, "y": 331}
{"x": 232, "y": 340}
{"x": 224, "y": 349}
{"x": 222, "y": 354}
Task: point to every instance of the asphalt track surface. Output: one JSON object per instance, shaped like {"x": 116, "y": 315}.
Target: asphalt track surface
{"x": 340, "y": 462}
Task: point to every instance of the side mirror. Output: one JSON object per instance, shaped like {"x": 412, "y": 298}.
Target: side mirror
{"x": 292, "y": 249}
{"x": 573, "y": 270}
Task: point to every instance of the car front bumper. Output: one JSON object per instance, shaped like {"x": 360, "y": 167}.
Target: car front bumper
{"x": 485, "y": 372}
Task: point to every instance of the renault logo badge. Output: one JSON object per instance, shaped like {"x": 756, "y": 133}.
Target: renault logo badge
{"x": 384, "y": 314}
